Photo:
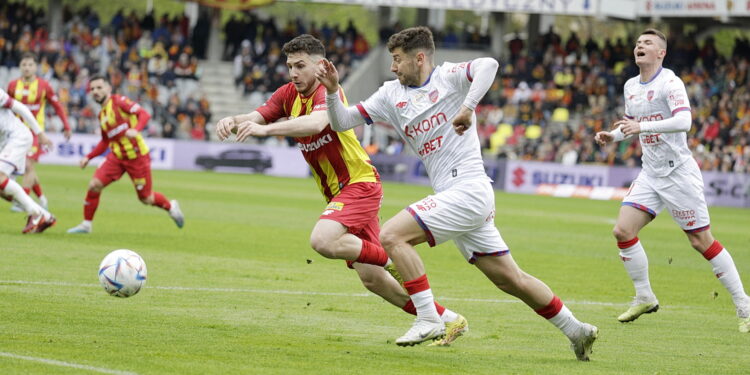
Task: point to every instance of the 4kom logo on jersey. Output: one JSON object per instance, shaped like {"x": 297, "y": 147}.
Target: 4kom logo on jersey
{"x": 424, "y": 126}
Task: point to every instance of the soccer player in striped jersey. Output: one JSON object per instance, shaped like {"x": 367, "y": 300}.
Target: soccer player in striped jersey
{"x": 432, "y": 109}
{"x": 348, "y": 228}
{"x": 17, "y": 142}
{"x": 35, "y": 93}
{"x": 657, "y": 110}
{"x": 121, "y": 121}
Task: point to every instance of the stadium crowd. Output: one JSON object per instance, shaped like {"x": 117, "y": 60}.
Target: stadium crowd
{"x": 154, "y": 62}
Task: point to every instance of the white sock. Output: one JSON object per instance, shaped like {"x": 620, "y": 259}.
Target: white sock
{"x": 424, "y": 302}
{"x": 448, "y": 316}
{"x": 726, "y": 272}
{"x": 86, "y": 223}
{"x": 566, "y": 322}
{"x": 636, "y": 263}
{"x": 15, "y": 190}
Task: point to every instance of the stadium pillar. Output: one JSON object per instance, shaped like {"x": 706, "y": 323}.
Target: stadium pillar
{"x": 532, "y": 30}
{"x": 55, "y": 21}
{"x": 215, "y": 44}
{"x": 497, "y": 34}
{"x": 423, "y": 16}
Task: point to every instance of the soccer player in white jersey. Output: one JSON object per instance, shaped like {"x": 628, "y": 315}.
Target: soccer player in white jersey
{"x": 658, "y": 111}
{"x": 432, "y": 108}
{"x": 18, "y": 140}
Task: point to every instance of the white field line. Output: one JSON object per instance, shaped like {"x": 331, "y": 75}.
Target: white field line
{"x": 289, "y": 292}
{"x": 65, "y": 364}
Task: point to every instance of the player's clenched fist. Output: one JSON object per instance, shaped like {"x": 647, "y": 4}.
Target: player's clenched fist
{"x": 225, "y": 127}
{"x": 462, "y": 121}
{"x": 603, "y": 138}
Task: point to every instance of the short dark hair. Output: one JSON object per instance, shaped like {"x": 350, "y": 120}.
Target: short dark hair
{"x": 98, "y": 77}
{"x": 411, "y": 39}
{"x": 658, "y": 34}
{"x": 29, "y": 55}
{"x": 304, "y": 43}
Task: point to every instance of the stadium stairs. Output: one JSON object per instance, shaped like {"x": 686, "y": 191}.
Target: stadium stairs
{"x": 217, "y": 82}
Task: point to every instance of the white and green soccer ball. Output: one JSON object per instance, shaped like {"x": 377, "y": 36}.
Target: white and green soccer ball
{"x": 122, "y": 273}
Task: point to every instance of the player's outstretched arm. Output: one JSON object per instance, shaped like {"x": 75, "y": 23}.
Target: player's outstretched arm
{"x": 228, "y": 125}
{"x": 302, "y": 126}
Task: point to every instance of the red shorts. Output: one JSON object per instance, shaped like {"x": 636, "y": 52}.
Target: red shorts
{"x": 35, "y": 151}
{"x": 139, "y": 170}
{"x": 356, "y": 207}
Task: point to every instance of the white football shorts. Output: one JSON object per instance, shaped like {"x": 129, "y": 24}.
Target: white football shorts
{"x": 13, "y": 153}
{"x": 465, "y": 213}
{"x": 681, "y": 192}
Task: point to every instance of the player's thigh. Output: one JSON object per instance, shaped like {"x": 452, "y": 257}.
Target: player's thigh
{"x": 110, "y": 170}
{"x": 644, "y": 196}
{"x": 139, "y": 170}
{"x": 631, "y": 220}
{"x": 325, "y": 231}
{"x": 454, "y": 212}
{"x": 13, "y": 154}
{"x": 405, "y": 227}
{"x": 685, "y": 200}
{"x": 484, "y": 241}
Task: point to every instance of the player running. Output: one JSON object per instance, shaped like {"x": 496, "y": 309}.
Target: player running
{"x": 657, "y": 109}
{"x": 18, "y": 140}
{"x": 349, "y": 226}
{"x": 35, "y": 92}
{"x": 421, "y": 105}
{"x": 122, "y": 121}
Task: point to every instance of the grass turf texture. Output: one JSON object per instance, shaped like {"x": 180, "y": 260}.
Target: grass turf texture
{"x": 265, "y": 309}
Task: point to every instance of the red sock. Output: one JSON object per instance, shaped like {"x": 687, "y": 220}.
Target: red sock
{"x": 420, "y": 284}
{"x": 161, "y": 201}
{"x": 549, "y": 311}
{"x": 372, "y": 254}
{"x": 27, "y": 190}
{"x": 37, "y": 189}
{"x": 409, "y": 308}
{"x": 90, "y": 205}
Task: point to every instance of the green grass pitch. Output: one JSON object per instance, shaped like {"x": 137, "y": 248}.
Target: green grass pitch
{"x": 233, "y": 292}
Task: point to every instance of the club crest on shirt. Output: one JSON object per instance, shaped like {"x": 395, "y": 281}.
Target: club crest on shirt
{"x": 650, "y": 95}
{"x": 434, "y": 95}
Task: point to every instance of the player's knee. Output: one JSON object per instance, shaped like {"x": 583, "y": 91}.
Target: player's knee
{"x": 389, "y": 239}
{"x": 96, "y": 186}
{"x": 622, "y": 234}
{"x": 323, "y": 246}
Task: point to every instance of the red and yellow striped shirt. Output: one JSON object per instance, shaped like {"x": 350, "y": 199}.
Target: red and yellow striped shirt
{"x": 118, "y": 114}
{"x": 35, "y": 95}
{"x": 335, "y": 158}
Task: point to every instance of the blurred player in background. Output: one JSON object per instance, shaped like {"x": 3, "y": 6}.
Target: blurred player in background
{"x": 349, "y": 226}
{"x": 35, "y": 93}
{"x": 657, "y": 109}
{"x": 420, "y": 104}
{"x": 122, "y": 121}
{"x": 17, "y": 142}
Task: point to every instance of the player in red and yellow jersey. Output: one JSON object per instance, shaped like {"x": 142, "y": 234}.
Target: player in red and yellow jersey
{"x": 35, "y": 93}
{"x": 121, "y": 121}
{"x": 349, "y": 227}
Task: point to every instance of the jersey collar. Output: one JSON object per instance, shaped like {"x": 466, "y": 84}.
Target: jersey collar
{"x": 652, "y": 78}
{"x": 425, "y": 83}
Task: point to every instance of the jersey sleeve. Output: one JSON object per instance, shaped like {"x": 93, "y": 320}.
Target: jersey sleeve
{"x": 319, "y": 100}
{"x": 628, "y": 113}
{"x": 127, "y": 105}
{"x": 458, "y": 75}
{"x": 375, "y": 108}
{"x": 677, "y": 98}
{"x": 273, "y": 108}
{"x": 5, "y": 100}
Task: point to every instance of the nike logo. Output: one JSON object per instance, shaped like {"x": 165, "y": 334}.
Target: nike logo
{"x": 421, "y": 335}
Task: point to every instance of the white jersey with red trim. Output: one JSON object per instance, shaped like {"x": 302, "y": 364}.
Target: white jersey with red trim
{"x": 423, "y": 117}
{"x": 658, "y": 99}
{"x": 9, "y": 123}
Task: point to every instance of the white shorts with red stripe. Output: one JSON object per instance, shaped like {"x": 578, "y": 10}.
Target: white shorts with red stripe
{"x": 465, "y": 213}
{"x": 681, "y": 192}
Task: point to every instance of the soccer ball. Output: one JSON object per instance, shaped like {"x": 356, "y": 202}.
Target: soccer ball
{"x": 122, "y": 273}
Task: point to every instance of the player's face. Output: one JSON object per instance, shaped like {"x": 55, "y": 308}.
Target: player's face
{"x": 649, "y": 49}
{"x": 28, "y": 68}
{"x": 302, "y": 72}
{"x": 100, "y": 90}
{"x": 405, "y": 67}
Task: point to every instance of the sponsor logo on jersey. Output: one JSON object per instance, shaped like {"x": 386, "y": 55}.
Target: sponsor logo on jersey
{"x": 434, "y": 95}
{"x": 312, "y": 146}
{"x": 116, "y": 130}
{"x": 424, "y": 126}
{"x": 336, "y": 206}
{"x": 401, "y": 105}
